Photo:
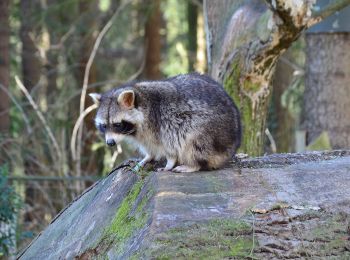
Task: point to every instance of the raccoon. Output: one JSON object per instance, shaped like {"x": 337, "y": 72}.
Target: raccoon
{"x": 188, "y": 119}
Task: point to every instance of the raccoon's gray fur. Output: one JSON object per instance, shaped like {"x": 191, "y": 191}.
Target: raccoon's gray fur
{"x": 188, "y": 119}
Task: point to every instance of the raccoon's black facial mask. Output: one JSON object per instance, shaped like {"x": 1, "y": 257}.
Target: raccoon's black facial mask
{"x": 124, "y": 127}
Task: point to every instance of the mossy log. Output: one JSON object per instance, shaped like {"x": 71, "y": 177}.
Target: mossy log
{"x": 251, "y": 209}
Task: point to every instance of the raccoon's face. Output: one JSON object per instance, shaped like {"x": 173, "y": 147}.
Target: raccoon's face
{"x": 117, "y": 116}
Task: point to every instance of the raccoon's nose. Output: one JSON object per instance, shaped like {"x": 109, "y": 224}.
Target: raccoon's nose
{"x": 110, "y": 142}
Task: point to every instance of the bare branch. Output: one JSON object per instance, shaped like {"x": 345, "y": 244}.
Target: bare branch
{"x": 78, "y": 124}
{"x": 294, "y": 14}
{"x": 319, "y": 15}
{"x": 25, "y": 118}
{"x": 40, "y": 115}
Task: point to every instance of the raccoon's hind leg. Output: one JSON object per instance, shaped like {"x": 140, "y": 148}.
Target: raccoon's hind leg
{"x": 185, "y": 168}
{"x": 170, "y": 163}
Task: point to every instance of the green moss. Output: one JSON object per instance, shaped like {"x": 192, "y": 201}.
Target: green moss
{"x": 123, "y": 223}
{"x": 250, "y": 87}
{"x": 329, "y": 236}
{"x": 215, "y": 239}
{"x": 322, "y": 142}
{"x": 252, "y": 139}
{"x": 130, "y": 217}
{"x": 279, "y": 205}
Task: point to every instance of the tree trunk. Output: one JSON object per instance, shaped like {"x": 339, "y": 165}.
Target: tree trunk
{"x": 4, "y": 67}
{"x": 153, "y": 42}
{"x": 6, "y": 228}
{"x": 283, "y": 119}
{"x": 51, "y": 63}
{"x": 280, "y": 122}
{"x": 327, "y": 98}
{"x": 31, "y": 67}
{"x": 192, "y": 15}
{"x": 244, "y": 41}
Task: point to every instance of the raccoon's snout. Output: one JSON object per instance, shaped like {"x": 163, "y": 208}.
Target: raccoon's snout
{"x": 110, "y": 142}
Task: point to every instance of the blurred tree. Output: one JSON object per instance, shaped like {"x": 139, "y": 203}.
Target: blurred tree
{"x": 153, "y": 40}
{"x": 192, "y": 15}
{"x": 326, "y": 117}
{"x": 31, "y": 71}
{"x": 282, "y": 127}
{"x": 245, "y": 40}
{"x": 88, "y": 30}
{"x": 327, "y": 90}
{"x": 31, "y": 65}
{"x": 51, "y": 62}
{"x": 4, "y": 67}
{"x": 286, "y": 99}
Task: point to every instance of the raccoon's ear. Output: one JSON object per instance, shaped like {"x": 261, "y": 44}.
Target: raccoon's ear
{"x": 126, "y": 99}
{"x": 96, "y": 98}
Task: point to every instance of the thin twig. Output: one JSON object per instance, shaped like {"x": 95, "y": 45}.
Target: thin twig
{"x": 40, "y": 115}
{"x": 272, "y": 141}
{"x": 25, "y": 118}
{"x": 86, "y": 80}
{"x": 253, "y": 238}
{"x": 78, "y": 123}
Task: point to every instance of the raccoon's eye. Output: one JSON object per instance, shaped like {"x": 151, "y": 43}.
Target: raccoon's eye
{"x": 118, "y": 127}
{"x": 102, "y": 127}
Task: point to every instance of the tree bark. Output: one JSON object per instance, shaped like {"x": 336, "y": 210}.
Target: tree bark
{"x": 4, "y": 66}
{"x": 31, "y": 65}
{"x": 153, "y": 42}
{"x": 244, "y": 41}
{"x": 326, "y": 98}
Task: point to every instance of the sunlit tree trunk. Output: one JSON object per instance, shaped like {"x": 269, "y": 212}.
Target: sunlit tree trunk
{"x": 4, "y": 67}
{"x": 153, "y": 41}
{"x": 244, "y": 41}
{"x": 327, "y": 90}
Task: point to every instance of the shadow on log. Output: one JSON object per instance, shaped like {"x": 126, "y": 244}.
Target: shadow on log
{"x": 278, "y": 206}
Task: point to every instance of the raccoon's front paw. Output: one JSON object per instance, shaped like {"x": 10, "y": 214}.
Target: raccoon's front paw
{"x": 185, "y": 168}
